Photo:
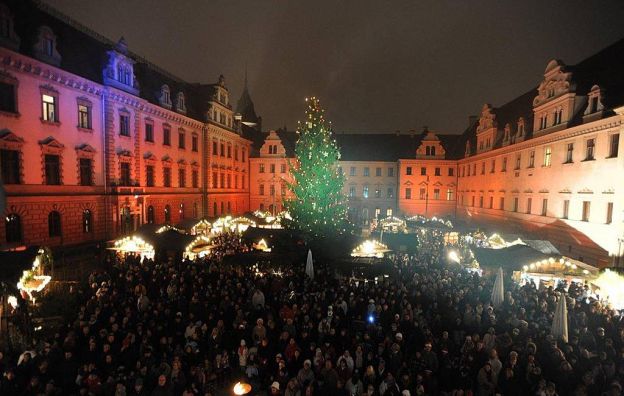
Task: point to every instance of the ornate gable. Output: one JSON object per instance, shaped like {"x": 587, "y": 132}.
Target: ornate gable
{"x": 10, "y": 141}
{"x": 430, "y": 147}
{"x": 119, "y": 70}
{"x": 51, "y": 146}
{"x": 556, "y": 83}
{"x": 487, "y": 119}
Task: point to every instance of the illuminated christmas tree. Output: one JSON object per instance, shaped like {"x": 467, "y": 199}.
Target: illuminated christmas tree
{"x": 318, "y": 208}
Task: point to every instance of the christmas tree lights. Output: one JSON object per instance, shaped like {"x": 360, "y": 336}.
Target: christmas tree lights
{"x": 318, "y": 207}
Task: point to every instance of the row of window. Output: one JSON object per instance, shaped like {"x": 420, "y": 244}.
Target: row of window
{"x": 222, "y": 180}
{"x": 528, "y": 209}
{"x": 547, "y": 154}
{"x": 150, "y": 176}
{"x": 13, "y": 225}
{"x": 283, "y": 189}
{"x": 366, "y": 171}
{"x": 262, "y": 168}
{"x": 424, "y": 194}
{"x": 151, "y": 217}
{"x": 423, "y": 171}
{"x": 365, "y": 192}
{"x": 223, "y": 150}
{"x": 166, "y": 141}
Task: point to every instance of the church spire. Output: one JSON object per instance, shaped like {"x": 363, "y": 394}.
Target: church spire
{"x": 245, "y": 106}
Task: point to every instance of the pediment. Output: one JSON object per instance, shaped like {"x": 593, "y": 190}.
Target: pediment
{"x": 149, "y": 156}
{"x": 408, "y": 183}
{"x": 124, "y": 153}
{"x": 9, "y": 137}
{"x": 181, "y": 161}
{"x": 167, "y": 158}
{"x": 51, "y": 142}
{"x": 87, "y": 148}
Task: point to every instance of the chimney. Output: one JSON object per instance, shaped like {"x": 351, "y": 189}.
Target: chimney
{"x": 472, "y": 119}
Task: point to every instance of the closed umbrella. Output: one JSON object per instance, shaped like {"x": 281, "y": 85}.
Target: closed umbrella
{"x": 560, "y": 321}
{"x": 498, "y": 292}
{"x": 309, "y": 270}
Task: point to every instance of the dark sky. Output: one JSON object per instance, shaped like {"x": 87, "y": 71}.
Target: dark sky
{"x": 377, "y": 66}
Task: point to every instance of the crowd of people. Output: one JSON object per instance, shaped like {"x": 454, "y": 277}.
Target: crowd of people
{"x": 165, "y": 327}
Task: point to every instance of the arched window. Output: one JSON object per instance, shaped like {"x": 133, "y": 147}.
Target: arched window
{"x": 13, "y": 228}
{"x": 54, "y": 224}
{"x": 150, "y": 214}
{"x": 167, "y": 214}
{"x": 87, "y": 225}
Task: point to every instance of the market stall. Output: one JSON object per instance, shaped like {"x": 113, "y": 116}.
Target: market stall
{"x": 370, "y": 248}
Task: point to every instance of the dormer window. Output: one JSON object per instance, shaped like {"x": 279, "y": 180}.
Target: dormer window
{"x": 7, "y": 35}
{"x": 45, "y": 48}
{"x": 520, "y": 127}
{"x": 507, "y": 133}
{"x": 595, "y": 101}
{"x": 165, "y": 96}
{"x": 124, "y": 75}
{"x": 180, "y": 103}
{"x": 430, "y": 151}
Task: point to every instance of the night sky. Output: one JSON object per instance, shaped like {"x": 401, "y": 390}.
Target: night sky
{"x": 377, "y": 66}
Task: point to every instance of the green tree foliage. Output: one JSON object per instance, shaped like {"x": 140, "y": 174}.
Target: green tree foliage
{"x": 318, "y": 208}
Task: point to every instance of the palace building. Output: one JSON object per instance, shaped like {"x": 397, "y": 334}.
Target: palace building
{"x": 96, "y": 141}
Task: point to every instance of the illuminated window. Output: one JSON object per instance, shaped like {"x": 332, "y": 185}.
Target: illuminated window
{"x": 351, "y": 191}
{"x": 366, "y": 171}
{"x": 87, "y": 221}
{"x": 84, "y": 116}
{"x": 365, "y": 191}
{"x": 54, "y": 224}
{"x": 181, "y": 211}
{"x": 449, "y": 194}
{"x": 388, "y": 212}
{"x": 49, "y": 108}
{"x": 150, "y": 214}
{"x": 547, "y": 156}
{"x": 377, "y": 192}
{"x": 13, "y": 228}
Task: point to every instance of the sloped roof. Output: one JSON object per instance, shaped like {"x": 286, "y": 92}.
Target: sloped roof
{"x": 84, "y": 53}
